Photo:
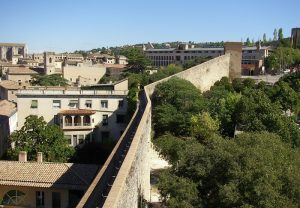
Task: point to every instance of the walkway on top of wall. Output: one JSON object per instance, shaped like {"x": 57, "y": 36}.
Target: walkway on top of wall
{"x": 103, "y": 183}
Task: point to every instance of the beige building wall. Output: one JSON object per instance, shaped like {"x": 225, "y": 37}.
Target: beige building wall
{"x": 87, "y": 72}
{"x": 21, "y": 79}
{"x": 30, "y": 195}
{"x": 8, "y": 94}
{"x": 46, "y": 108}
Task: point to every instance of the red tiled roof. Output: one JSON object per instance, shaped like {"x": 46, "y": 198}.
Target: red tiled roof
{"x": 77, "y": 112}
{"x": 46, "y": 174}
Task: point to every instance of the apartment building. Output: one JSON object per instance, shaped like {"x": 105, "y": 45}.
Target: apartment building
{"x": 185, "y": 52}
{"x": 86, "y": 115}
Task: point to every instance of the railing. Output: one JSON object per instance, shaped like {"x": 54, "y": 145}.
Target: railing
{"x": 70, "y": 92}
{"x": 98, "y": 191}
{"x": 78, "y": 124}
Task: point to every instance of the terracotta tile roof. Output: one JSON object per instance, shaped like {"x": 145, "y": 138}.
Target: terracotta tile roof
{"x": 20, "y": 70}
{"x": 46, "y": 175}
{"x": 116, "y": 66}
{"x": 7, "y": 108}
{"x": 77, "y": 112}
{"x": 9, "y": 84}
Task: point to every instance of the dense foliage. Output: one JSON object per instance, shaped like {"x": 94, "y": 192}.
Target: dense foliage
{"x": 195, "y": 61}
{"x": 213, "y": 167}
{"x": 137, "y": 61}
{"x": 49, "y": 80}
{"x": 36, "y": 136}
{"x": 282, "y": 58}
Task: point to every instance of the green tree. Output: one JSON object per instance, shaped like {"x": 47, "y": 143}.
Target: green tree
{"x": 275, "y": 35}
{"x": 256, "y": 112}
{"x": 283, "y": 57}
{"x": 195, "y": 61}
{"x": 203, "y": 126}
{"x": 248, "y": 43}
{"x": 280, "y": 34}
{"x": 293, "y": 80}
{"x": 264, "y": 38}
{"x": 286, "y": 96}
{"x": 36, "y": 136}
{"x": 174, "y": 102}
{"x": 252, "y": 170}
{"x": 177, "y": 192}
{"x": 49, "y": 80}
{"x": 137, "y": 61}
{"x": 171, "y": 146}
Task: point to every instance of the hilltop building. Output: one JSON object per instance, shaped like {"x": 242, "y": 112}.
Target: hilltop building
{"x": 9, "y": 50}
{"x": 251, "y": 56}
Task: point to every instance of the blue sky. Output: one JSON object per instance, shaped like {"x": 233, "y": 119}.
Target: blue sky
{"x": 67, "y": 25}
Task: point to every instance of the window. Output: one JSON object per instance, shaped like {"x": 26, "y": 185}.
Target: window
{"x": 56, "y": 104}
{"x": 88, "y": 104}
{"x": 105, "y": 120}
{"x": 121, "y": 103}
{"x": 105, "y": 135}
{"x": 34, "y": 104}
{"x": 68, "y": 138}
{"x": 40, "y": 198}
{"x": 56, "y": 200}
{"x": 56, "y": 119}
{"x": 81, "y": 139}
{"x": 104, "y": 103}
{"x": 13, "y": 197}
{"x": 73, "y": 104}
{"x": 75, "y": 140}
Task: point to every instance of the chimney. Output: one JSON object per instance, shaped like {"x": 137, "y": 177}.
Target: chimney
{"x": 39, "y": 157}
{"x": 22, "y": 156}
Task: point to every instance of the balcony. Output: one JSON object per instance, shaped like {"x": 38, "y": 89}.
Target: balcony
{"x": 76, "y": 119}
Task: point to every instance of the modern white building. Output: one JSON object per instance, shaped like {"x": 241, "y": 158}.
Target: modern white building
{"x": 96, "y": 114}
{"x": 185, "y": 52}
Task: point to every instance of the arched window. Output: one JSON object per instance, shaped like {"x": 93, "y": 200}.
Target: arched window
{"x": 50, "y": 60}
{"x": 13, "y": 197}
